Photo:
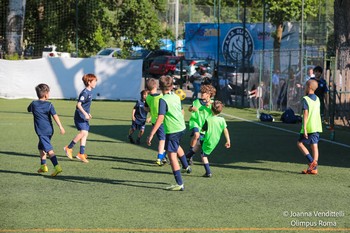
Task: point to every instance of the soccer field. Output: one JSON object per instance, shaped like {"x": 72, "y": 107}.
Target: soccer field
{"x": 257, "y": 185}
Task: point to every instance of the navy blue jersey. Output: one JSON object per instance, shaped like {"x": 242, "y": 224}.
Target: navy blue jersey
{"x": 321, "y": 89}
{"x": 140, "y": 112}
{"x": 42, "y": 112}
{"x": 85, "y": 98}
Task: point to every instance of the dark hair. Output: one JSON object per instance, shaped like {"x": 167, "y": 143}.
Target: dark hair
{"x": 318, "y": 69}
{"x": 41, "y": 90}
{"x": 143, "y": 92}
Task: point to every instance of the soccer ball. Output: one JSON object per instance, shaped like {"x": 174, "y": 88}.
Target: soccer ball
{"x": 181, "y": 93}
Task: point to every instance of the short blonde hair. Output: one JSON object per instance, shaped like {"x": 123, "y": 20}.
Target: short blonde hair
{"x": 312, "y": 84}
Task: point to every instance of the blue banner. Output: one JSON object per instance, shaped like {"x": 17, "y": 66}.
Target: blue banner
{"x": 202, "y": 40}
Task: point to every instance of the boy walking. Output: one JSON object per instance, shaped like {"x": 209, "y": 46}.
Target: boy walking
{"x": 152, "y": 104}
{"x": 171, "y": 114}
{"x": 81, "y": 118}
{"x": 139, "y": 117}
{"x": 213, "y": 126}
{"x": 311, "y": 127}
{"x": 42, "y": 111}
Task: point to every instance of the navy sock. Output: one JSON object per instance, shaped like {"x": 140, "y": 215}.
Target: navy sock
{"x": 207, "y": 168}
{"x": 54, "y": 160}
{"x": 309, "y": 158}
{"x": 82, "y": 150}
{"x": 183, "y": 161}
{"x": 71, "y": 144}
{"x": 190, "y": 153}
{"x": 43, "y": 161}
{"x": 178, "y": 177}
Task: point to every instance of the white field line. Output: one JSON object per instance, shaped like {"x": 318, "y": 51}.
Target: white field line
{"x": 281, "y": 129}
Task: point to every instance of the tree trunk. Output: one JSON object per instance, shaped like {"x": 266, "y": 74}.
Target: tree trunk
{"x": 277, "y": 46}
{"x": 14, "y": 26}
{"x": 342, "y": 31}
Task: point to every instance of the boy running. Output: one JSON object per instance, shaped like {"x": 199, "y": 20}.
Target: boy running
{"x": 139, "y": 117}
{"x": 42, "y": 111}
{"x": 81, "y": 118}
{"x": 151, "y": 106}
{"x": 171, "y": 114}
{"x": 200, "y": 111}
{"x": 213, "y": 126}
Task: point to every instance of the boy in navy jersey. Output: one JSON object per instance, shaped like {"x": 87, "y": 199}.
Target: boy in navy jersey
{"x": 42, "y": 111}
{"x": 139, "y": 117}
{"x": 81, "y": 118}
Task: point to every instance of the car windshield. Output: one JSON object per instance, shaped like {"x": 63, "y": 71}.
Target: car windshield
{"x": 139, "y": 54}
{"x": 160, "y": 60}
{"x": 105, "y": 52}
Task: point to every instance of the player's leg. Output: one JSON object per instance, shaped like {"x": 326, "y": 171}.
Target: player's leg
{"x": 82, "y": 155}
{"x": 191, "y": 152}
{"x": 140, "y": 134}
{"x": 205, "y": 162}
{"x": 161, "y": 160}
{"x": 43, "y": 167}
{"x": 172, "y": 148}
{"x": 314, "y": 150}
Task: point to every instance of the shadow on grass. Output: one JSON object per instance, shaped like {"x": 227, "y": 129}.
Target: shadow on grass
{"x": 84, "y": 179}
{"x": 250, "y": 143}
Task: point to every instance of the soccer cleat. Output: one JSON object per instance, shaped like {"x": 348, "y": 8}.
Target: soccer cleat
{"x": 82, "y": 157}
{"x": 131, "y": 139}
{"x": 159, "y": 162}
{"x": 188, "y": 170}
{"x": 190, "y": 161}
{"x": 176, "y": 187}
{"x": 68, "y": 151}
{"x": 57, "y": 171}
{"x": 312, "y": 165}
{"x": 208, "y": 175}
{"x": 312, "y": 172}
{"x": 43, "y": 168}
{"x": 165, "y": 160}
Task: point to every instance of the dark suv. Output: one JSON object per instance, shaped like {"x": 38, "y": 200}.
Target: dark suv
{"x": 148, "y": 56}
{"x": 163, "y": 65}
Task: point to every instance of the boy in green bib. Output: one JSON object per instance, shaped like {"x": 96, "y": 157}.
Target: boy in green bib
{"x": 171, "y": 115}
{"x": 311, "y": 127}
{"x": 213, "y": 127}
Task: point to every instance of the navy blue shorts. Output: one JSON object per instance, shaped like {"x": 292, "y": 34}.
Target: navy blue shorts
{"x": 160, "y": 132}
{"x": 194, "y": 130}
{"x": 172, "y": 141}
{"x": 136, "y": 126}
{"x": 313, "y": 138}
{"x": 45, "y": 143}
{"x": 82, "y": 124}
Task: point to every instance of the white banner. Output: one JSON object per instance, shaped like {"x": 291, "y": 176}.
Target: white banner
{"x": 117, "y": 79}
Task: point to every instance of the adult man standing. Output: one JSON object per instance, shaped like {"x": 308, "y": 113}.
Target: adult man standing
{"x": 322, "y": 88}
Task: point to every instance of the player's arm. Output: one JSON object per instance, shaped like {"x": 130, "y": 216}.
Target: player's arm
{"x": 133, "y": 114}
{"x": 227, "y": 136}
{"x": 29, "y": 108}
{"x": 306, "y": 118}
{"x": 58, "y": 122}
{"x": 81, "y": 109}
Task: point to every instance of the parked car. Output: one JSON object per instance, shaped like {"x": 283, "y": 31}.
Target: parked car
{"x": 52, "y": 51}
{"x": 163, "y": 65}
{"x": 148, "y": 56}
{"x": 109, "y": 52}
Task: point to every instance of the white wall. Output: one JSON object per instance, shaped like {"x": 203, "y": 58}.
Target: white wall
{"x": 117, "y": 79}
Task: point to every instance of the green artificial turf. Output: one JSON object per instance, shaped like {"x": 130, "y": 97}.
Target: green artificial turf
{"x": 256, "y": 184}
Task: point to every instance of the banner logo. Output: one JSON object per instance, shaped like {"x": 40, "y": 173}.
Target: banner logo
{"x": 232, "y": 48}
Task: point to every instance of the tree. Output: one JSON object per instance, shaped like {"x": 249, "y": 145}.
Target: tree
{"x": 15, "y": 22}
{"x": 280, "y": 11}
{"x": 342, "y": 31}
